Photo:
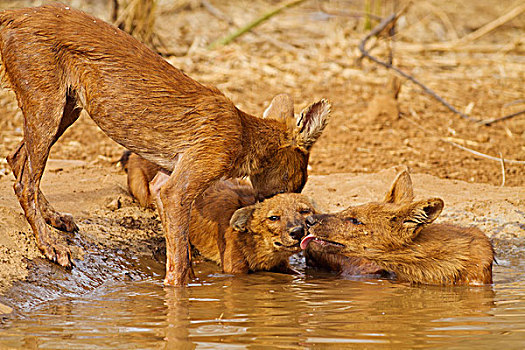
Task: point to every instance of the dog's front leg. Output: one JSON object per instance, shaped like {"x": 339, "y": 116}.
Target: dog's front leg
{"x": 188, "y": 180}
{"x": 174, "y": 211}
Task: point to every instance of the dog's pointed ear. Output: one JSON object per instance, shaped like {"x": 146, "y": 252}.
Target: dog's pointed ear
{"x": 311, "y": 123}
{"x": 241, "y": 217}
{"x": 401, "y": 190}
{"x": 281, "y": 109}
{"x": 420, "y": 214}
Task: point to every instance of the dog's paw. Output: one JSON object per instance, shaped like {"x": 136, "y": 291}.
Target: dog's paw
{"x": 51, "y": 246}
{"x": 63, "y": 222}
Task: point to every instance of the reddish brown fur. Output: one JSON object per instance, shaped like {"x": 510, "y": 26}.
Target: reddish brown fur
{"x": 263, "y": 236}
{"x": 140, "y": 173}
{"x": 252, "y": 242}
{"x": 317, "y": 257}
{"x": 58, "y": 61}
{"x": 398, "y": 235}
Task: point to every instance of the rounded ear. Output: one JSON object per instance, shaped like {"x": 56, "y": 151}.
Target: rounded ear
{"x": 423, "y": 212}
{"x": 281, "y": 109}
{"x": 241, "y": 217}
{"x": 311, "y": 123}
{"x": 401, "y": 190}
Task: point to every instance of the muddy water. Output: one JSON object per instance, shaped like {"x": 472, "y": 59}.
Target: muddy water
{"x": 317, "y": 310}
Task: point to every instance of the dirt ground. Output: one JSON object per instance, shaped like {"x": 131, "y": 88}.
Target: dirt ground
{"x": 310, "y": 51}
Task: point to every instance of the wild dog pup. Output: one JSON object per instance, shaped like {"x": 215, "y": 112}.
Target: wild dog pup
{"x": 399, "y": 236}
{"x": 230, "y": 228}
{"x": 227, "y": 226}
{"x": 263, "y": 236}
{"x": 58, "y": 61}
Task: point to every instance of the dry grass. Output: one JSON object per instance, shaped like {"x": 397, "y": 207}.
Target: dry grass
{"x": 311, "y": 52}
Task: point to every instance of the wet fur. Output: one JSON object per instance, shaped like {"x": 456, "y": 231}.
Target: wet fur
{"x": 345, "y": 266}
{"x": 59, "y": 61}
{"x": 399, "y": 235}
{"x": 227, "y": 226}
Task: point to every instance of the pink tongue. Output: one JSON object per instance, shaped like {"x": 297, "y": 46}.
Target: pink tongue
{"x": 306, "y": 240}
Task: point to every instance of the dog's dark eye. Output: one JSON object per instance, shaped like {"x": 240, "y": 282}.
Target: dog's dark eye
{"x": 354, "y": 221}
{"x": 274, "y": 218}
{"x": 305, "y": 211}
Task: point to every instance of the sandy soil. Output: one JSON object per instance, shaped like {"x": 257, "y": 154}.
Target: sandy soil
{"x": 310, "y": 54}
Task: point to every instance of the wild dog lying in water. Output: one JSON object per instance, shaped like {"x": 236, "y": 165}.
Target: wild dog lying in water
{"x": 398, "y": 235}
{"x": 227, "y": 226}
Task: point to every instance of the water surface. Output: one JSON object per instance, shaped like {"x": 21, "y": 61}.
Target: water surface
{"x": 264, "y": 310}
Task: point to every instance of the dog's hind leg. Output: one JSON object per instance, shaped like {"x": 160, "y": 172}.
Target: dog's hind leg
{"x": 18, "y": 158}
{"x": 45, "y": 119}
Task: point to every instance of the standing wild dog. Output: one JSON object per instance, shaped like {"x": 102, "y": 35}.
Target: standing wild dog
{"x": 59, "y": 61}
{"x": 399, "y": 236}
{"x": 227, "y": 226}
{"x": 141, "y": 171}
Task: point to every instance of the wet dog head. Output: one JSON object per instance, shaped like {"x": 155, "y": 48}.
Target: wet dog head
{"x": 287, "y": 170}
{"x": 377, "y": 227}
{"x": 276, "y": 225}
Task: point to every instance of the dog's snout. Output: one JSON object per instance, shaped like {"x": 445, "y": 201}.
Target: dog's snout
{"x": 310, "y": 221}
{"x": 297, "y": 232}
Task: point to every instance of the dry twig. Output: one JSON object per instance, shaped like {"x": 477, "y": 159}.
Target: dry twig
{"x": 492, "y": 25}
{"x": 492, "y": 121}
{"x": 502, "y": 169}
{"x": 378, "y": 29}
{"x": 447, "y": 47}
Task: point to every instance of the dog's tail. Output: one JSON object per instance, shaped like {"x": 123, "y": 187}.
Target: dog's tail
{"x": 124, "y": 159}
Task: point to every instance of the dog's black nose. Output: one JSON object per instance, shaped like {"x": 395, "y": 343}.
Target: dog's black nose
{"x": 310, "y": 221}
{"x": 297, "y": 232}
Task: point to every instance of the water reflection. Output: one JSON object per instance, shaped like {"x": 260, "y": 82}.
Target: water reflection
{"x": 272, "y": 310}
{"x": 263, "y": 309}
{"x": 177, "y": 322}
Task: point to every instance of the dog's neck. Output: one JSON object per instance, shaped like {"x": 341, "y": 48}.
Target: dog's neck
{"x": 261, "y": 139}
{"x": 257, "y": 256}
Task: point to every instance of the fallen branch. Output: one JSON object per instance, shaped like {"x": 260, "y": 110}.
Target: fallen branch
{"x": 231, "y": 37}
{"x": 378, "y": 29}
{"x": 443, "y": 139}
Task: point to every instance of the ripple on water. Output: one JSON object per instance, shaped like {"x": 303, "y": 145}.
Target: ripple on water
{"x": 271, "y": 310}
